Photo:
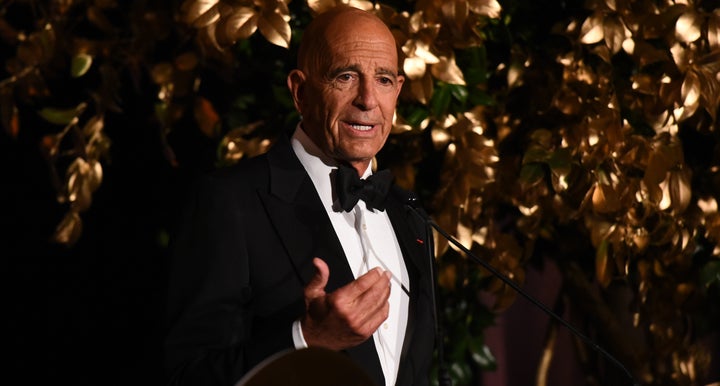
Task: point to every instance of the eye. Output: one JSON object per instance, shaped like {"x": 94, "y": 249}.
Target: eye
{"x": 385, "y": 80}
{"x": 345, "y": 77}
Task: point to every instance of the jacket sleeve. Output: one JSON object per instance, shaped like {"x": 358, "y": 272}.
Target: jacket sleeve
{"x": 209, "y": 300}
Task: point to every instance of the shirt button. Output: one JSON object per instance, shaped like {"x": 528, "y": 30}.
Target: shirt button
{"x": 385, "y": 326}
{"x": 364, "y": 226}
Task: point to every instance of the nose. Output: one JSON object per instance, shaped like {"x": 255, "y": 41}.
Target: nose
{"x": 366, "y": 98}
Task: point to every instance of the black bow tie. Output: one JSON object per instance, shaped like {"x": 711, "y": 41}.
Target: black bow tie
{"x": 350, "y": 188}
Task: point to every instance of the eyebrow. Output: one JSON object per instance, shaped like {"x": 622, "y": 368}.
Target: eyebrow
{"x": 354, "y": 68}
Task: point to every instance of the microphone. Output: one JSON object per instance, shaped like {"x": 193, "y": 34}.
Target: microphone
{"x": 412, "y": 202}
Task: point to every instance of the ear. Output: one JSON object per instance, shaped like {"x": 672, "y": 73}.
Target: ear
{"x": 296, "y": 82}
{"x": 400, "y": 82}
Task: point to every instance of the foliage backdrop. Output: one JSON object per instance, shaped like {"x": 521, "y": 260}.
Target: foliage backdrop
{"x": 585, "y": 133}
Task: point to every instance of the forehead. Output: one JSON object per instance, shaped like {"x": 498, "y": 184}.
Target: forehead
{"x": 363, "y": 43}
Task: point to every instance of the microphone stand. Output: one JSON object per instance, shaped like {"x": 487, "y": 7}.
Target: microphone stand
{"x": 412, "y": 203}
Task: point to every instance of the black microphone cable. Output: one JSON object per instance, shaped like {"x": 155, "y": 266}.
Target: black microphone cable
{"x": 412, "y": 202}
{"x": 443, "y": 374}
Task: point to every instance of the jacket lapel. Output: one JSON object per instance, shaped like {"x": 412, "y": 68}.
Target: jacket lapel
{"x": 298, "y": 216}
{"x": 294, "y": 207}
{"x": 411, "y": 234}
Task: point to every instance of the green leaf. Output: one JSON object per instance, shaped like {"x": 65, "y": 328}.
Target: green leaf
{"x": 161, "y": 112}
{"x": 478, "y": 97}
{"x": 80, "y": 65}
{"x": 535, "y": 154}
{"x": 531, "y": 174}
{"x": 461, "y": 373}
{"x": 710, "y": 273}
{"x": 58, "y": 116}
{"x": 416, "y": 116}
{"x": 482, "y": 355}
{"x": 560, "y": 161}
{"x": 459, "y": 92}
{"x": 441, "y": 100}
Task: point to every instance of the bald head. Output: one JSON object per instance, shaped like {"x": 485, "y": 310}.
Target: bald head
{"x": 347, "y": 84}
{"x": 341, "y": 20}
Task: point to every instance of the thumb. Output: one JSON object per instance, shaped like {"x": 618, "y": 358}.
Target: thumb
{"x": 316, "y": 286}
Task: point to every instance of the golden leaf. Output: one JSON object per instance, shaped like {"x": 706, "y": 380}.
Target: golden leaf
{"x": 603, "y": 266}
{"x": 31, "y": 51}
{"x": 98, "y": 144}
{"x": 83, "y": 178}
{"x": 641, "y": 239}
{"x": 93, "y": 126}
{"x": 97, "y": 17}
{"x": 187, "y": 61}
{"x": 447, "y": 71}
{"x": 275, "y": 28}
{"x": 658, "y": 166}
{"x": 463, "y": 234}
{"x": 605, "y": 199}
{"x": 614, "y": 33}
{"x": 206, "y": 117}
{"x": 646, "y": 54}
{"x": 320, "y": 6}
{"x": 691, "y": 89}
{"x": 644, "y": 84}
{"x": 50, "y": 144}
{"x": 241, "y": 24}
{"x": 447, "y": 276}
{"x": 681, "y": 56}
{"x": 420, "y": 49}
{"x": 688, "y": 26}
{"x": 9, "y": 113}
{"x": 200, "y": 13}
{"x": 489, "y": 8}
{"x": 680, "y": 189}
{"x": 422, "y": 89}
{"x": 233, "y": 146}
{"x": 611, "y": 4}
{"x": 162, "y": 72}
{"x": 69, "y": 229}
{"x": 414, "y": 68}
{"x": 505, "y": 297}
{"x": 713, "y": 30}
{"x": 592, "y": 30}
{"x": 440, "y": 138}
{"x": 400, "y": 125}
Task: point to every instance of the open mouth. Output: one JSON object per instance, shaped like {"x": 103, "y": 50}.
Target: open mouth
{"x": 360, "y": 127}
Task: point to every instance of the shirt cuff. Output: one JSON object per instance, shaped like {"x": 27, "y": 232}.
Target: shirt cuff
{"x": 297, "y": 335}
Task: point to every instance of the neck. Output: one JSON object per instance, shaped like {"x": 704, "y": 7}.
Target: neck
{"x": 360, "y": 166}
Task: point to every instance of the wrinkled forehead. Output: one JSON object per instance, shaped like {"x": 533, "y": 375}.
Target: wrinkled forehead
{"x": 359, "y": 48}
{"x": 348, "y": 38}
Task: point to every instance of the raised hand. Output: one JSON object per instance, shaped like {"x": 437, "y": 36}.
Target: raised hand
{"x": 349, "y": 316}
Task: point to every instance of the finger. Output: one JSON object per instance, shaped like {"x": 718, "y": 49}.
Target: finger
{"x": 316, "y": 286}
{"x": 369, "y": 308}
{"x": 375, "y": 298}
{"x": 375, "y": 310}
{"x": 357, "y": 287}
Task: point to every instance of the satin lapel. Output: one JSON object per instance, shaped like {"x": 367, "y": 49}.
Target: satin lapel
{"x": 305, "y": 230}
{"x": 410, "y": 233}
{"x": 298, "y": 216}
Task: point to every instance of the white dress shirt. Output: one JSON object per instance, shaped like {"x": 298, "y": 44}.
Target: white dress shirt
{"x": 368, "y": 240}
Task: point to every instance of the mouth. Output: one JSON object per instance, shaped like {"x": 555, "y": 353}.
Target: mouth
{"x": 361, "y": 127}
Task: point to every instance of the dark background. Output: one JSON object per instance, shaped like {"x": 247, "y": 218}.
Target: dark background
{"x": 92, "y": 313}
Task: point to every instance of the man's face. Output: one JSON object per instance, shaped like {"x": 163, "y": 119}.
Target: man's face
{"x": 350, "y": 90}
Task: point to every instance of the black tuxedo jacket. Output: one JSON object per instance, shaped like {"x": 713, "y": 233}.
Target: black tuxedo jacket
{"x": 242, "y": 256}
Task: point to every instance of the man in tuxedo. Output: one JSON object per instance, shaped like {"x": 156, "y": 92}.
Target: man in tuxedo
{"x": 273, "y": 255}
